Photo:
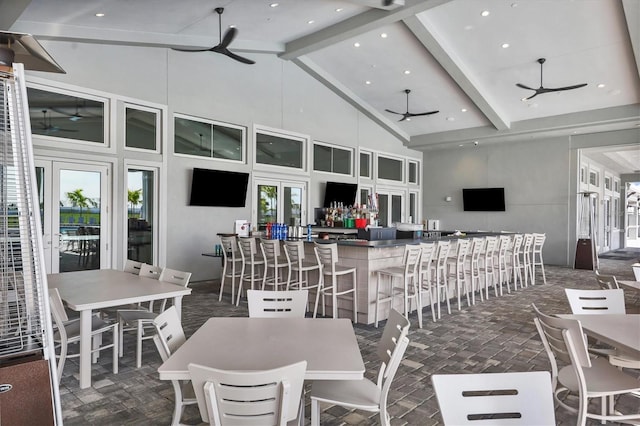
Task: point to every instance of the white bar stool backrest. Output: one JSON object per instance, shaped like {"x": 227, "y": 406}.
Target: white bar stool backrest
{"x": 229, "y": 247}
{"x": 462, "y": 249}
{"x": 270, "y": 249}
{"x": 327, "y": 255}
{"x": 248, "y": 248}
{"x": 294, "y": 250}
{"x": 477, "y": 248}
{"x": 607, "y": 282}
{"x": 596, "y": 302}
{"x": 442, "y": 254}
{"x": 516, "y": 244}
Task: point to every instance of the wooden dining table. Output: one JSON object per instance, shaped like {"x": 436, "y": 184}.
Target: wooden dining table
{"x": 618, "y": 330}
{"x": 328, "y": 345}
{"x": 86, "y": 291}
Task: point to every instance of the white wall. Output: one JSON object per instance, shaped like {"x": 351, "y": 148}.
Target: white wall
{"x": 534, "y": 173}
{"x": 272, "y": 93}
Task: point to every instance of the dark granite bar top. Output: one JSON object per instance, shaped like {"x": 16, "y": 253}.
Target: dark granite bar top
{"x": 353, "y": 242}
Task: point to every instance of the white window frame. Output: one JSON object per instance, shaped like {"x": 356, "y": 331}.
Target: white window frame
{"x": 418, "y": 166}
{"x": 596, "y": 173}
{"x": 46, "y": 141}
{"x": 306, "y": 154}
{"x": 416, "y": 218}
{"x": 157, "y": 111}
{"x": 213, "y": 123}
{"x": 158, "y": 214}
{"x": 403, "y": 173}
{"x": 371, "y": 172}
{"x": 333, "y": 147}
{"x": 280, "y": 181}
{"x": 609, "y": 178}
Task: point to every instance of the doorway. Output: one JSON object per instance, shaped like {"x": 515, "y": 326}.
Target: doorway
{"x": 74, "y": 213}
{"x": 279, "y": 202}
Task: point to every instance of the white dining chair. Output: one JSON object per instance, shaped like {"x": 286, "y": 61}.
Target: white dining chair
{"x": 140, "y": 321}
{"x": 68, "y": 332}
{"x": 168, "y": 339}
{"x": 515, "y": 398}
{"x": 132, "y": 266}
{"x": 277, "y": 304}
{"x": 601, "y": 302}
{"x": 364, "y": 394}
{"x": 260, "y": 398}
{"x": 536, "y": 256}
{"x": 582, "y": 377}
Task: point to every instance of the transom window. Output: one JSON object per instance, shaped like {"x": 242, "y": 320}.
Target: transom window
{"x": 207, "y": 138}
{"x": 365, "y": 165}
{"x": 142, "y": 128}
{"x": 280, "y": 148}
{"x": 327, "y": 158}
{"x": 390, "y": 168}
{"x": 413, "y": 172}
{"x": 67, "y": 115}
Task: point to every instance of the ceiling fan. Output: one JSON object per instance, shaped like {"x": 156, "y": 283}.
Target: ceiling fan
{"x": 407, "y": 115}
{"x": 540, "y": 90}
{"x": 47, "y": 127}
{"x": 222, "y": 47}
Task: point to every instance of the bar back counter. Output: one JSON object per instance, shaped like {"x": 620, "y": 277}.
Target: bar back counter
{"x": 371, "y": 256}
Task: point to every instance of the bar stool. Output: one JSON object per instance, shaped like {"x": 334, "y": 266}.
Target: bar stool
{"x": 456, "y": 269}
{"x": 409, "y": 273}
{"x": 527, "y": 246}
{"x": 500, "y": 272}
{"x": 487, "y": 266}
{"x": 327, "y": 255}
{"x": 426, "y": 280}
{"x": 440, "y": 282}
{"x": 473, "y": 267}
{"x": 252, "y": 262}
{"x": 300, "y": 268}
{"x": 276, "y": 262}
{"x": 515, "y": 251}
{"x": 231, "y": 264}
{"x": 536, "y": 257}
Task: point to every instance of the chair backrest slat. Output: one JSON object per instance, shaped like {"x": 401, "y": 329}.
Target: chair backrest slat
{"x": 150, "y": 271}
{"x": 174, "y": 276}
{"x": 132, "y": 266}
{"x": 495, "y": 398}
{"x": 277, "y": 304}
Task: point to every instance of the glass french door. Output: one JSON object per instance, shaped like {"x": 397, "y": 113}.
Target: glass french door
{"x": 141, "y": 214}
{"x": 74, "y": 214}
{"x": 390, "y": 206}
{"x": 279, "y": 202}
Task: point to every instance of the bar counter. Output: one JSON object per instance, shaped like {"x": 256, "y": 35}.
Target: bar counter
{"x": 369, "y": 257}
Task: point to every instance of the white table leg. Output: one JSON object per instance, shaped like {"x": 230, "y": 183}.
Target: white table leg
{"x": 85, "y": 349}
{"x": 177, "y": 302}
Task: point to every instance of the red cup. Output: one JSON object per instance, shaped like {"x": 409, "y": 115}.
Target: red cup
{"x": 361, "y": 223}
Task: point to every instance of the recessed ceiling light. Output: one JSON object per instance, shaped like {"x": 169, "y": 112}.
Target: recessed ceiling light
{"x": 232, "y": 26}
{"x": 485, "y": 13}
{"x": 505, "y": 45}
{"x": 451, "y": 119}
{"x": 339, "y": 9}
{"x": 407, "y": 72}
{"x": 408, "y": 119}
{"x": 356, "y": 44}
{"x": 461, "y": 144}
{"x": 100, "y": 14}
{"x": 600, "y": 86}
{"x": 274, "y": 4}
{"x": 367, "y": 82}
{"x": 311, "y": 21}
{"x": 463, "y": 110}
{"x": 383, "y": 35}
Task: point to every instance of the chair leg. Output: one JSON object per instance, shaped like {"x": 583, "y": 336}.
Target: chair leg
{"x": 121, "y": 339}
{"x": 355, "y": 298}
{"x": 115, "y": 349}
{"x": 139, "y": 345}
{"x": 318, "y": 291}
{"x": 315, "y": 412}
{"x": 177, "y": 406}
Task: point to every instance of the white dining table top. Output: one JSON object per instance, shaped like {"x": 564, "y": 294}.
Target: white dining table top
{"x": 620, "y": 331}
{"x": 103, "y": 288}
{"x": 328, "y": 345}
{"x": 635, "y": 285}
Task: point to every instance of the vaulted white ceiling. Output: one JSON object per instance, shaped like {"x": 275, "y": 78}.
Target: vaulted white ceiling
{"x": 446, "y": 52}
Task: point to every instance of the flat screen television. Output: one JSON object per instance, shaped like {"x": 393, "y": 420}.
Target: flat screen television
{"x": 344, "y": 193}
{"x": 483, "y": 199}
{"x": 218, "y": 188}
